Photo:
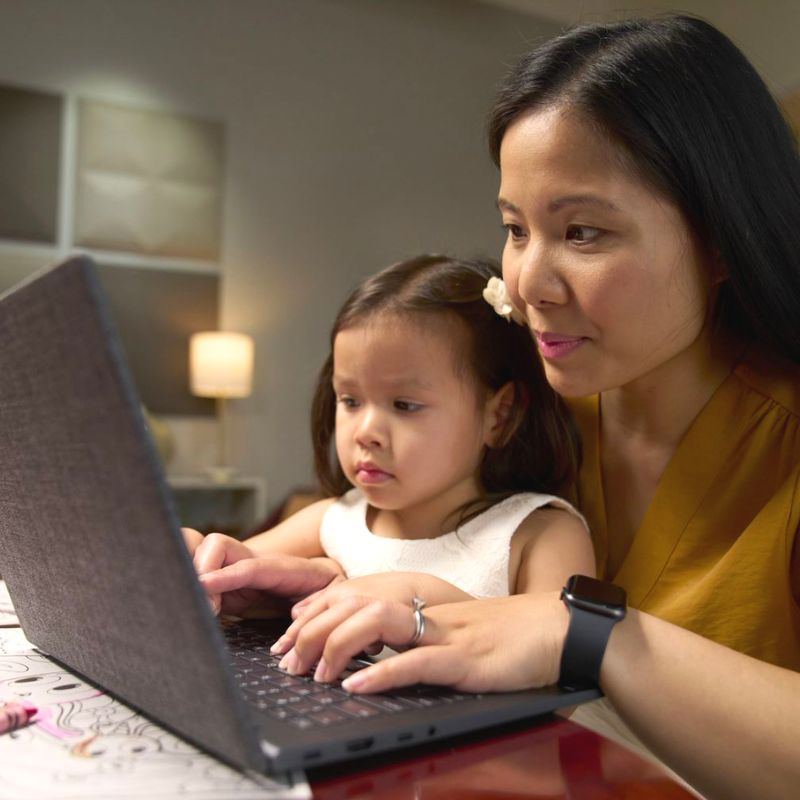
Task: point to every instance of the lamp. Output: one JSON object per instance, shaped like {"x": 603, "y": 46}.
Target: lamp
{"x": 221, "y": 366}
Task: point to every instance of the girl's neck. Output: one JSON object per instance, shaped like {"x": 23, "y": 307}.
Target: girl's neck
{"x": 426, "y": 520}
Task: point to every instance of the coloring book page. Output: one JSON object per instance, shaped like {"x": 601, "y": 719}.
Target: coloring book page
{"x": 84, "y": 744}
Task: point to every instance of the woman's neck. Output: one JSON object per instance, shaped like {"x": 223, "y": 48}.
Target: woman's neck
{"x": 641, "y": 426}
{"x": 657, "y": 409}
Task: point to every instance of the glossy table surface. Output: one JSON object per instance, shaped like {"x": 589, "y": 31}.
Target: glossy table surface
{"x": 555, "y": 759}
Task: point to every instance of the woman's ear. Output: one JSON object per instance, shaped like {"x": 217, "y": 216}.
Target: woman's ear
{"x": 497, "y": 414}
{"x": 719, "y": 269}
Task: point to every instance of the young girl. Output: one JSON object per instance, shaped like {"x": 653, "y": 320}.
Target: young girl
{"x": 449, "y": 445}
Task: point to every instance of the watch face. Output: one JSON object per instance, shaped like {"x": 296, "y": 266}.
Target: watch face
{"x": 590, "y": 591}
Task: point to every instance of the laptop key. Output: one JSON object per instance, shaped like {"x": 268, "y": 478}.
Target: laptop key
{"x": 357, "y": 708}
{"x": 389, "y": 703}
{"x": 301, "y": 722}
{"x": 327, "y": 716}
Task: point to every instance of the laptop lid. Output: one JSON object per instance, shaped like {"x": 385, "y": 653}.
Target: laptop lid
{"x": 92, "y": 553}
{"x": 90, "y": 546}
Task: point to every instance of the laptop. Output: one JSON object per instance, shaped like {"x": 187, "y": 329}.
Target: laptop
{"x": 94, "y": 560}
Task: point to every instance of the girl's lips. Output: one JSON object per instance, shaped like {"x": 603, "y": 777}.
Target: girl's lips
{"x": 368, "y": 474}
{"x": 557, "y": 345}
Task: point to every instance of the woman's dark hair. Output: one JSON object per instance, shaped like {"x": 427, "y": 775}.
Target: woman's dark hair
{"x": 539, "y": 449}
{"x": 697, "y": 122}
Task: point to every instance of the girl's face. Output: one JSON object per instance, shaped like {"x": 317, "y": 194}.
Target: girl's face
{"x": 607, "y": 271}
{"x": 410, "y": 430}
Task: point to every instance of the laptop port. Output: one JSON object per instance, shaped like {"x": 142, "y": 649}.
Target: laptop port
{"x": 360, "y": 744}
{"x": 312, "y": 754}
{"x": 432, "y": 730}
{"x": 405, "y": 737}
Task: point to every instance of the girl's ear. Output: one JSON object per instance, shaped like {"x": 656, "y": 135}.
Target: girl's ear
{"x": 497, "y": 415}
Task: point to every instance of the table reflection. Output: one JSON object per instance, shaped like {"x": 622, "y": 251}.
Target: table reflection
{"x": 555, "y": 759}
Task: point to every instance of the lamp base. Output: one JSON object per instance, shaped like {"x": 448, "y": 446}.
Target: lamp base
{"x": 221, "y": 474}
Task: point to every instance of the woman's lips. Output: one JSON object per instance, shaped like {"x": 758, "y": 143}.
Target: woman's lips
{"x": 557, "y": 345}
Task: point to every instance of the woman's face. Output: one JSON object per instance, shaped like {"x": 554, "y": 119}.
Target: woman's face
{"x": 612, "y": 283}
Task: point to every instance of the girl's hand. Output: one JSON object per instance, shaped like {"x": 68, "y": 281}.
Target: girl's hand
{"x": 241, "y": 585}
{"x": 499, "y": 644}
{"x": 213, "y": 552}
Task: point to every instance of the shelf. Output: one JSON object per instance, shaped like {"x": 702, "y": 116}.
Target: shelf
{"x": 234, "y": 507}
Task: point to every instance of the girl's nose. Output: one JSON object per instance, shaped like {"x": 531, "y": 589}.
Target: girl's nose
{"x": 371, "y": 430}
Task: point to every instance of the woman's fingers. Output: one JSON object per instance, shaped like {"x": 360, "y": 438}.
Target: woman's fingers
{"x": 313, "y": 636}
{"x": 432, "y": 664}
{"x": 351, "y": 626}
{"x": 306, "y": 613}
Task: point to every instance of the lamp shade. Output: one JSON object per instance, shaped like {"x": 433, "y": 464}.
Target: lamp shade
{"x": 221, "y": 364}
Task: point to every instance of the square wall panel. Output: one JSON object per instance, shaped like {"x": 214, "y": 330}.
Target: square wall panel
{"x": 148, "y": 182}
{"x": 30, "y": 156}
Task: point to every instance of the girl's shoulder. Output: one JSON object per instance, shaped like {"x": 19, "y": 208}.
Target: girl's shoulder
{"x": 512, "y": 511}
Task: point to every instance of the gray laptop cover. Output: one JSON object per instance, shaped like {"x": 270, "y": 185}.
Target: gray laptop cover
{"x": 91, "y": 549}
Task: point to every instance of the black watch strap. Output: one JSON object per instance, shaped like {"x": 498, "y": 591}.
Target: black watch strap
{"x": 584, "y": 648}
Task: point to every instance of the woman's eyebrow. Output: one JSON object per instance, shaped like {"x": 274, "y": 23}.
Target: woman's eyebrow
{"x": 560, "y": 202}
{"x": 580, "y": 200}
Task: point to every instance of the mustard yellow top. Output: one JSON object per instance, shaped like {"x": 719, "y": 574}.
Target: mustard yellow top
{"x": 714, "y": 551}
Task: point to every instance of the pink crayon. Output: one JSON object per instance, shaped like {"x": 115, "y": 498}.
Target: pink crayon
{"x": 15, "y": 715}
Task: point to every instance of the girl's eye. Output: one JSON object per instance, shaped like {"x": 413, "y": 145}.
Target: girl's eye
{"x": 582, "y": 234}
{"x": 347, "y": 401}
{"x": 515, "y": 232}
{"x": 407, "y": 405}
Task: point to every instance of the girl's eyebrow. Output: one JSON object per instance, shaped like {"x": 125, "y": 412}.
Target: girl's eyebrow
{"x": 559, "y": 202}
{"x": 409, "y": 381}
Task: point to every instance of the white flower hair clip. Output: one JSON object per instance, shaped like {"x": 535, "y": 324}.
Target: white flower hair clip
{"x": 497, "y": 296}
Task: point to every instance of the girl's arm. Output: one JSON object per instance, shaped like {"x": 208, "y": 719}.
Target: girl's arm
{"x": 549, "y": 546}
{"x": 235, "y": 573}
{"x": 296, "y": 536}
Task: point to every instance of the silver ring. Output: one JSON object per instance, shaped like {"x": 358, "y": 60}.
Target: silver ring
{"x": 419, "y": 622}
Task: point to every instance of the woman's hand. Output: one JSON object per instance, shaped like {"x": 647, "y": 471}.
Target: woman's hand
{"x": 240, "y": 586}
{"x": 499, "y": 644}
{"x": 318, "y": 616}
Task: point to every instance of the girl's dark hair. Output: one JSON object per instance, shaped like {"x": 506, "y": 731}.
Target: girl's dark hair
{"x": 539, "y": 449}
{"x": 698, "y": 123}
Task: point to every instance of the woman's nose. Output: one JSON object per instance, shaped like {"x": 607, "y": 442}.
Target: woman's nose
{"x": 539, "y": 281}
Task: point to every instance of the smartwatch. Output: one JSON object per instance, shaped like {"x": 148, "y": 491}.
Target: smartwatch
{"x": 594, "y": 608}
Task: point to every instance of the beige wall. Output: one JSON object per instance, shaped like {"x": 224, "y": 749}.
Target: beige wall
{"x": 354, "y": 138}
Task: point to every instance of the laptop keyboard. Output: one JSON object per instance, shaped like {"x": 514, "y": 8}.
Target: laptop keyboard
{"x": 304, "y": 703}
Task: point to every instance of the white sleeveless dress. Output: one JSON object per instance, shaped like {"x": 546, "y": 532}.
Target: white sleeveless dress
{"x": 474, "y": 558}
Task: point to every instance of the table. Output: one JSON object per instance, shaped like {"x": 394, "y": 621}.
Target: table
{"x": 555, "y": 759}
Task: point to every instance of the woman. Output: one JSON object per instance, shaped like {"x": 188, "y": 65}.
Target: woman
{"x": 650, "y": 190}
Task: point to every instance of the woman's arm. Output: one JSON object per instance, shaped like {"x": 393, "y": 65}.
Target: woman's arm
{"x": 727, "y": 723}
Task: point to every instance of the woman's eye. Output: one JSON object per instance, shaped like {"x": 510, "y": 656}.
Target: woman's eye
{"x": 514, "y": 231}
{"x": 582, "y": 234}
{"x": 407, "y": 405}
